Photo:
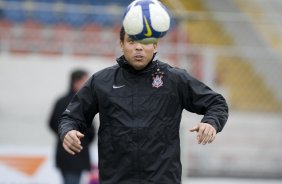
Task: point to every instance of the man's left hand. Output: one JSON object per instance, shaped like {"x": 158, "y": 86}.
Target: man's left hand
{"x": 206, "y": 133}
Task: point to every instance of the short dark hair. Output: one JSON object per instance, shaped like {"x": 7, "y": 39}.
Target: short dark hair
{"x": 122, "y": 34}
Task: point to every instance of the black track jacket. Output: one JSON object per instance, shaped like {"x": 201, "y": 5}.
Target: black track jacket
{"x": 140, "y": 114}
{"x": 65, "y": 161}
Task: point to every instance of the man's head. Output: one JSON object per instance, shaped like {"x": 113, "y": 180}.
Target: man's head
{"x": 137, "y": 54}
{"x": 78, "y": 78}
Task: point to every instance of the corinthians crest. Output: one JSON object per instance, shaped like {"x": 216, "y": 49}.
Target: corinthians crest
{"x": 157, "y": 77}
{"x": 157, "y": 81}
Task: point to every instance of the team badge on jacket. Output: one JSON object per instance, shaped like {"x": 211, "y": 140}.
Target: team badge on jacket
{"x": 157, "y": 81}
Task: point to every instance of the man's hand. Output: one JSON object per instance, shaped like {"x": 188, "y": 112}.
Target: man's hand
{"x": 72, "y": 142}
{"x": 206, "y": 133}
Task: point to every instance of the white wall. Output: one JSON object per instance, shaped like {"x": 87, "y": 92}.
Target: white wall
{"x": 29, "y": 87}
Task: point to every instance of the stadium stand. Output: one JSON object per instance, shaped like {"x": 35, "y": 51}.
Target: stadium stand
{"x": 265, "y": 18}
{"x": 242, "y": 95}
{"x": 5, "y": 33}
{"x": 15, "y": 15}
{"x": 87, "y": 28}
{"x": 45, "y": 16}
{"x": 62, "y": 27}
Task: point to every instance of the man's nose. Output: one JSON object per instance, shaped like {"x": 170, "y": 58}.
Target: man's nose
{"x": 138, "y": 46}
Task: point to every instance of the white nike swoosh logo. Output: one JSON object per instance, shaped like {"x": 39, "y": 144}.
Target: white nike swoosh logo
{"x": 115, "y": 87}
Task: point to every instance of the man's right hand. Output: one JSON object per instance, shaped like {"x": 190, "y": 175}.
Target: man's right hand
{"x": 72, "y": 143}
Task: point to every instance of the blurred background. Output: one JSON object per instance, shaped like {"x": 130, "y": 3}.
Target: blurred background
{"x": 234, "y": 46}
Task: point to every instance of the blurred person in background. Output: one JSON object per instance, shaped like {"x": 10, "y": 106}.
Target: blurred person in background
{"x": 140, "y": 102}
{"x": 72, "y": 167}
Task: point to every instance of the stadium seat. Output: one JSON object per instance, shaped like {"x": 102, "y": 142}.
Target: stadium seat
{"x": 48, "y": 1}
{"x": 13, "y": 0}
{"x": 104, "y": 20}
{"x": 89, "y": 40}
{"x": 76, "y": 2}
{"x": 17, "y": 16}
{"x": 55, "y": 43}
{"x": 110, "y": 2}
{"x": 46, "y": 16}
{"x": 32, "y": 30}
{"x": 74, "y": 18}
{"x": 5, "y": 33}
{"x": 97, "y": 2}
{"x": 28, "y": 39}
{"x": 5, "y": 27}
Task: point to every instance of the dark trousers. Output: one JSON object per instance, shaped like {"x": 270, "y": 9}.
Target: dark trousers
{"x": 71, "y": 177}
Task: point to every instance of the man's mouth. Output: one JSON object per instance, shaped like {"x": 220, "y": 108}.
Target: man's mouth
{"x": 138, "y": 57}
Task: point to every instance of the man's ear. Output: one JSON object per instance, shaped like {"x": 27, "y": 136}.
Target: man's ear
{"x": 155, "y": 46}
{"x": 121, "y": 45}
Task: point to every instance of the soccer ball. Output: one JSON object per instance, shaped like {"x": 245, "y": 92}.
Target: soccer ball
{"x": 146, "y": 20}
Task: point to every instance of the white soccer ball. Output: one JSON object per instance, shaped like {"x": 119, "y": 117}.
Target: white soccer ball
{"x": 146, "y": 20}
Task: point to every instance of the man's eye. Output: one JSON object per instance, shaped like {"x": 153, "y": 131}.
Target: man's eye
{"x": 130, "y": 40}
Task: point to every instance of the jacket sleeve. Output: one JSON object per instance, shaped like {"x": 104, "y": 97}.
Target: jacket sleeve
{"x": 199, "y": 98}
{"x": 81, "y": 110}
{"x": 54, "y": 117}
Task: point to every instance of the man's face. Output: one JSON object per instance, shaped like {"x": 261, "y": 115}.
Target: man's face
{"x": 77, "y": 85}
{"x": 137, "y": 54}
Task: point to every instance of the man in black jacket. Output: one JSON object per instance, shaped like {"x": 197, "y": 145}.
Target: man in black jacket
{"x": 140, "y": 101}
{"x": 70, "y": 166}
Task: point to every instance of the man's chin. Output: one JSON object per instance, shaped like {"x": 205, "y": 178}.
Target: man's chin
{"x": 139, "y": 67}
